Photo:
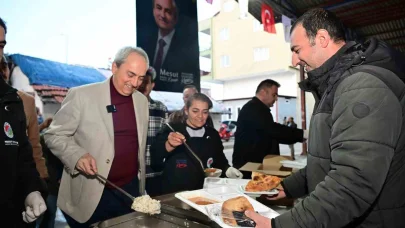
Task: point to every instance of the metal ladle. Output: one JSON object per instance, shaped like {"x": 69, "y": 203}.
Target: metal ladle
{"x": 115, "y": 186}
{"x": 189, "y": 148}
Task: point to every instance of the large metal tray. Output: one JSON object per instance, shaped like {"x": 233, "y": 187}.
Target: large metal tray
{"x": 175, "y": 213}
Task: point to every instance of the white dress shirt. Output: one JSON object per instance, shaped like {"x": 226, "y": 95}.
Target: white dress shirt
{"x": 168, "y": 39}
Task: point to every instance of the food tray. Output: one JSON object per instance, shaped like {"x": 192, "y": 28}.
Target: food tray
{"x": 185, "y": 196}
{"x": 214, "y": 182}
{"x": 220, "y": 194}
{"x": 222, "y": 190}
{"x": 236, "y": 182}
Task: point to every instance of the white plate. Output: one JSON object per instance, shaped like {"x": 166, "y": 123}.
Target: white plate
{"x": 257, "y": 194}
{"x": 213, "y": 182}
{"x": 236, "y": 181}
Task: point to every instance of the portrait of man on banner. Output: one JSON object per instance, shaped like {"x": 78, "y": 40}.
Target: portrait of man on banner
{"x": 168, "y": 31}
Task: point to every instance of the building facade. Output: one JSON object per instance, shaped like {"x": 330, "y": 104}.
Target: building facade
{"x": 241, "y": 55}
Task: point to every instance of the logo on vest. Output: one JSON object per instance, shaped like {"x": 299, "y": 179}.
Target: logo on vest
{"x": 181, "y": 164}
{"x": 209, "y": 162}
{"x": 8, "y": 130}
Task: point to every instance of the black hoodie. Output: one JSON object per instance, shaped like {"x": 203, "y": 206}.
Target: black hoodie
{"x": 18, "y": 171}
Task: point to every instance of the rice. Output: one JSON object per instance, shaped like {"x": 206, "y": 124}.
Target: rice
{"x": 145, "y": 204}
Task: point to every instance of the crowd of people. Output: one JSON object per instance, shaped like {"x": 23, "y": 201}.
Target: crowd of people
{"x": 114, "y": 129}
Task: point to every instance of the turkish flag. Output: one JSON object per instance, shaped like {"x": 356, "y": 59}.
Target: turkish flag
{"x": 268, "y": 19}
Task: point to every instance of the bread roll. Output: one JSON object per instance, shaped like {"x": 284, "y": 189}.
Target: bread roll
{"x": 239, "y": 204}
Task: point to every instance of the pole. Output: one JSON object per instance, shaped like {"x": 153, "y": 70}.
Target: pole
{"x": 303, "y": 110}
{"x": 67, "y": 48}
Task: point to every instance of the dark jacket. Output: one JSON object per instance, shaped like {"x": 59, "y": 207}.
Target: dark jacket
{"x": 180, "y": 66}
{"x": 355, "y": 172}
{"x": 20, "y": 176}
{"x": 181, "y": 171}
{"x": 257, "y": 135}
{"x": 54, "y": 166}
{"x": 292, "y": 125}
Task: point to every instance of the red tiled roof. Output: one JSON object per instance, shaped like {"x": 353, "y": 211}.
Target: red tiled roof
{"x": 55, "y": 92}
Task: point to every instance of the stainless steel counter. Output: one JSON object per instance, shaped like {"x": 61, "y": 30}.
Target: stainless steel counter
{"x": 174, "y": 213}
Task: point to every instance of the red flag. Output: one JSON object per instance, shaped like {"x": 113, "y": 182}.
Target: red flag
{"x": 209, "y": 1}
{"x": 268, "y": 19}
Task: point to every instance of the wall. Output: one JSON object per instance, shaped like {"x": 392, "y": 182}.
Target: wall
{"x": 287, "y": 108}
{"x": 246, "y": 87}
{"x": 234, "y": 105}
{"x": 216, "y": 118}
{"x": 216, "y": 89}
{"x": 242, "y": 40}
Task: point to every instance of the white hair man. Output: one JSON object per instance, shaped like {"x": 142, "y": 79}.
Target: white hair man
{"x": 101, "y": 129}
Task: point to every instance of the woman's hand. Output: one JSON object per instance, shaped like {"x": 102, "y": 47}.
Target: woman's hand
{"x": 174, "y": 140}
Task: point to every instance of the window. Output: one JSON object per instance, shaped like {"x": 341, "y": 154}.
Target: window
{"x": 260, "y": 54}
{"x": 224, "y": 34}
{"x": 257, "y": 26}
{"x": 225, "y": 61}
{"x": 230, "y": 113}
{"x": 206, "y": 91}
{"x": 238, "y": 111}
{"x": 228, "y": 6}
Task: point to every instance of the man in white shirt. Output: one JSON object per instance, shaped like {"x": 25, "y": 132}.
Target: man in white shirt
{"x": 172, "y": 46}
{"x": 166, "y": 15}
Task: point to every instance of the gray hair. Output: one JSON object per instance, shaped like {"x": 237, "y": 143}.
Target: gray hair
{"x": 124, "y": 52}
{"x": 176, "y": 11}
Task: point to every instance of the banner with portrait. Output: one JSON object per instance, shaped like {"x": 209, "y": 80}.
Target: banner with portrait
{"x": 168, "y": 31}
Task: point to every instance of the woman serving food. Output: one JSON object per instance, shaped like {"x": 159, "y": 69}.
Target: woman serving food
{"x": 181, "y": 169}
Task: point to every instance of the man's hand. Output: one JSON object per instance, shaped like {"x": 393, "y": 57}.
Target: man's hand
{"x": 306, "y": 134}
{"x": 35, "y": 207}
{"x": 45, "y": 124}
{"x": 87, "y": 164}
{"x": 261, "y": 221}
{"x": 174, "y": 140}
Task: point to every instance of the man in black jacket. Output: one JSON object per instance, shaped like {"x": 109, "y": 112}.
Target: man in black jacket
{"x": 257, "y": 135}
{"x": 355, "y": 170}
{"x": 21, "y": 181}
